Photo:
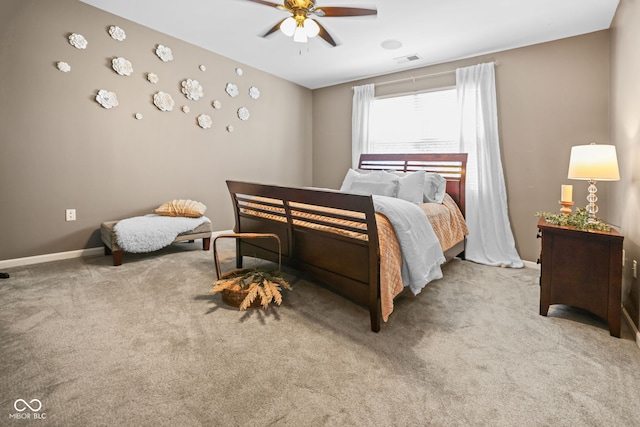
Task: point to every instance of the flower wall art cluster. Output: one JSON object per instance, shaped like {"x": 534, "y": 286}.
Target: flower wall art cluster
{"x": 191, "y": 88}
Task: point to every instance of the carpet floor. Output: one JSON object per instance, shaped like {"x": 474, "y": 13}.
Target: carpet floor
{"x": 146, "y": 344}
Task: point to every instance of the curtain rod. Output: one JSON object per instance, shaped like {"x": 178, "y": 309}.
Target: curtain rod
{"x": 414, "y": 78}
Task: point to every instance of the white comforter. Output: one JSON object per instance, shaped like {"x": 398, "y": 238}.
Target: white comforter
{"x": 152, "y": 232}
{"x": 421, "y": 252}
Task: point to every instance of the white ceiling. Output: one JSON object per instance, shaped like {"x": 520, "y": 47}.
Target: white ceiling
{"x": 435, "y": 30}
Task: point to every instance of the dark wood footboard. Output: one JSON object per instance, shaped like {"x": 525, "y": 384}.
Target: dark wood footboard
{"x": 331, "y": 235}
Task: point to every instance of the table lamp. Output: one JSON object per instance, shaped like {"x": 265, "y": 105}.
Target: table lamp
{"x": 593, "y": 162}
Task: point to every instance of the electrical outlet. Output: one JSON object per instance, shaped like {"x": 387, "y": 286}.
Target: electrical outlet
{"x": 634, "y": 268}
{"x": 70, "y": 215}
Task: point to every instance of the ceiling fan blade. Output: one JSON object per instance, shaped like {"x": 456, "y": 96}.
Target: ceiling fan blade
{"x": 325, "y": 35}
{"x": 273, "y": 29}
{"x": 343, "y": 11}
{"x": 270, "y": 4}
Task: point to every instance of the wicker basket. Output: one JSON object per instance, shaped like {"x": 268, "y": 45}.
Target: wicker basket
{"x": 235, "y": 297}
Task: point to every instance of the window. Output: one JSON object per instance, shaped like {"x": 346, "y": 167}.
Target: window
{"x": 418, "y": 123}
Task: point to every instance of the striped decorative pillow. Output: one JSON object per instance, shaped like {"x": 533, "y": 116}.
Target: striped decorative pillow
{"x": 179, "y": 207}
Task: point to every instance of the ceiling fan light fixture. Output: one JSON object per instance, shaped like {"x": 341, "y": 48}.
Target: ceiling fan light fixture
{"x": 311, "y": 27}
{"x": 288, "y": 26}
{"x": 301, "y": 26}
{"x": 300, "y": 35}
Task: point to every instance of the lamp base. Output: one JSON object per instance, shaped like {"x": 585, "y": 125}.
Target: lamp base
{"x": 592, "y": 208}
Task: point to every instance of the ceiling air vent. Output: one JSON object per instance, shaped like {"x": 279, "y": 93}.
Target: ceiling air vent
{"x": 408, "y": 58}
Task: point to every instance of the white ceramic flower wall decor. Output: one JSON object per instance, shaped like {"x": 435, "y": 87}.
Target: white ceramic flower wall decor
{"x": 117, "y": 33}
{"x": 153, "y": 78}
{"x": 203, "y": 68}
{"x": 138, "y": 116}
{"x": 164, "y": 53}
{"x": 239, "y": 71}
{"x": 216, "y": 104}
{"x": 107, "y": 99}
{"x": 185, "y": 109}
{"x": 63, "y": 66}
{"x": 192, "y": 89}
{"x": 254, "y": 92}
{"x": 122, "y": 66}
{"x": 232, "y": 90}
{"x": 229, "y": 128}
{"x": 243, "y": 113}
{"x": 78, "y": 41}
{"x": 163, "y": 101}
{"x": 204, "y": 121}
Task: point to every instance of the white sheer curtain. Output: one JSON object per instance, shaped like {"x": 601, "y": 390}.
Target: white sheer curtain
{"x": 490, "y": 239}
{"x": 360, "y": 141}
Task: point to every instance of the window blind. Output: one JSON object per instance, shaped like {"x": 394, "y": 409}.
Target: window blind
{"x": 418, "y": 123}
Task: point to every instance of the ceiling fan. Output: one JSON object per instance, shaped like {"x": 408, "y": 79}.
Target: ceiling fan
{"x": 301, "y": 26}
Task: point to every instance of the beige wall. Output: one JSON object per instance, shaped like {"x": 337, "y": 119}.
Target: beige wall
{"x": 625, "y": 133}
{"x": 550, "y": 96}
{"x": 60, "y": 149}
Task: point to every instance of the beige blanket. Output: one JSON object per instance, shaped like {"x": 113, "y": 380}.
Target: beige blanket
{"x": 450, "y": 228}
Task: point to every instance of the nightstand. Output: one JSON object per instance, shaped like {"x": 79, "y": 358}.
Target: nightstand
{"x": 581, "y": 269}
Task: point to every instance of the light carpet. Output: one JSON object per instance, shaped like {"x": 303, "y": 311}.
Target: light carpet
{"x": 146, "y": 344}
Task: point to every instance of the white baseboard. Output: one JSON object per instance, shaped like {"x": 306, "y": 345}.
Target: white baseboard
{"x": 632, "y": 325}
{"x": 531, "y": 264}
{"x": 18, "y": 262}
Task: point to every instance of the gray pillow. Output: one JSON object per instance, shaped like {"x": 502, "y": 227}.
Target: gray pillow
{"x": 435, "y": 185}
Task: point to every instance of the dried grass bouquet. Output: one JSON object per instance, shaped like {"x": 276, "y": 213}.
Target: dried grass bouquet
{"x": 255, "y": 283}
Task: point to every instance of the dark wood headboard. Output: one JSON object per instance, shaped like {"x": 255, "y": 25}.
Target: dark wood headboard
{"x": 452, "y": 166}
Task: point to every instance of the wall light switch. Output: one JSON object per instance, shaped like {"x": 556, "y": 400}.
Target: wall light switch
{"x": 635, "y": 269}
{"x": 70, "y": 215}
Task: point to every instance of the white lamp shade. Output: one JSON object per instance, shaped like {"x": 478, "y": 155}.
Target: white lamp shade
{"x": 288, "y": 26}
{"x": 594, "y": 162}
{"x": 311, "y": 27}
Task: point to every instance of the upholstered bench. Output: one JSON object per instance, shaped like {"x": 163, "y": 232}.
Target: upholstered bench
{"x": 110, "y": 240}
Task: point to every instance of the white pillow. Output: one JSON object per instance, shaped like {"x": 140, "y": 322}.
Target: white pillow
{"x": 378, "y": 188}
{"x": 411, "y": 187}
{"x": 355, "y": 178}
{"x": 435, "y": 185}
{"x": 355, "y": 173}
{"x": 348, "y": 179}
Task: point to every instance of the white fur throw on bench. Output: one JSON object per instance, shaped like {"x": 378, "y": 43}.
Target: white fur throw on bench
{"x": 152, "y": 232}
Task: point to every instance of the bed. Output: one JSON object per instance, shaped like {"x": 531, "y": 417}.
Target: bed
{"x": 337, "y": 237}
